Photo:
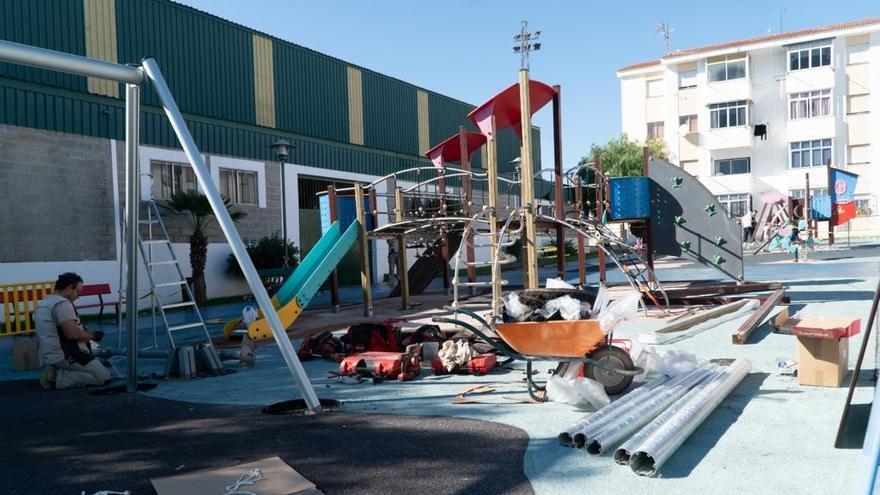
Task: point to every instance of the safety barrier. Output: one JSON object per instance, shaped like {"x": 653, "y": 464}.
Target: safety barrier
{"x": 19, "y": 302}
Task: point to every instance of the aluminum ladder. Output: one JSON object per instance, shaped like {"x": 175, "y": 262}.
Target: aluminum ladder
{"x": 155, "y": 239}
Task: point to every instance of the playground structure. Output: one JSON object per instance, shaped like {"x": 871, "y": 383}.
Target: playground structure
{"x": 488, "y": 210}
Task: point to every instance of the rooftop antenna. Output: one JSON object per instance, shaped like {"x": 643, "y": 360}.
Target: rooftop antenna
{"x": 665, "y": 31}
{"x": 780, "y": 12}
{"x": 526, "y": 42}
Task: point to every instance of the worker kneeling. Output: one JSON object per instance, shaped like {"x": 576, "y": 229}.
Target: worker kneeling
{"x": 64, "y": 342}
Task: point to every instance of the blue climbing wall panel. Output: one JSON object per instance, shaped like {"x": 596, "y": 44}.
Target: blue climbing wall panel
{"x": 630, "y": 198}
{"x": 345, "y": 208}
{"x": 688, "y": 221}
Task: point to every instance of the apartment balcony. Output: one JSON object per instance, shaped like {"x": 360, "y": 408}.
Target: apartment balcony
{"x": 727, "y": 137}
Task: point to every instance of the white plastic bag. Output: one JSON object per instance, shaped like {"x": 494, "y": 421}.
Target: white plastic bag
{"x": 577, "y": 391}
{"x": 558, "y": 283}
{"x": 248, "y": 315}
{"x": 600, "y": 302}
{"x": 569, "y": 308}
{"x": 515, "y": 308}
{"x": 618, "y": 311}
{"x": 585, "y": 310}
{"x": 646, "y": 359}
{"x": 675, "y": 363}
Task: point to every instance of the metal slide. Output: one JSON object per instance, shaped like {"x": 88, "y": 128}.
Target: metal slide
{"x": 305, "y": 281}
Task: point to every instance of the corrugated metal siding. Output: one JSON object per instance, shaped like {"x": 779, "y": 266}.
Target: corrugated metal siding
{"x": 207, "y": 62}
{"x": 355, "y": 106}
{"x": 311, "y": 93}
{"x": 57, "y": 25}
{"x": 390, "y": 114}
{"x": 62, "y": 114}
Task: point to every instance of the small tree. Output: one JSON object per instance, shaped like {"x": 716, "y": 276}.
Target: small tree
{"x": 267, "y": 252}
{"x": 201, "y": 214}
{"x": 622, "y": 156}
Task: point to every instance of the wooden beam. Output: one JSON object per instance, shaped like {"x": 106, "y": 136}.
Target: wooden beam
{"x": 742, "y": 334}
{"x": 701, "y": 317}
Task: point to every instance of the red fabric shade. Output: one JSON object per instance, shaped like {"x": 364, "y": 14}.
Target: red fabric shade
{"x": 506, "y": 109}
{"x": 450, "y": 149}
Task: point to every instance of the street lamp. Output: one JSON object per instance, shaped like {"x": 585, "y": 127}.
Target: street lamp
{"x": 282, "y": 149}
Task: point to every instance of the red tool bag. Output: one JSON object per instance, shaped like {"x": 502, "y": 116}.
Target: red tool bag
{"x": 478, "y": 365}
{"x": 372, "y": 337}
{"x": 378, "y": 364}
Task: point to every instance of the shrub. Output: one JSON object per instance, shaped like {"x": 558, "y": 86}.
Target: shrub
{"x": 267, "y": 252}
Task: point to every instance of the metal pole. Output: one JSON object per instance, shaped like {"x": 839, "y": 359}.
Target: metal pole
{"x": 284, "y": 213}
{"x": 206, "y": 183}
{"x": 600, "y": 209}
{"x": 528, "y": 183}
{"x": 132, "y": 202}
{"x": 830, "y": 220}
{"x": 582, "y": 255}
{"x": 65, "y": 62}
{"x": 807, "y": 218}
{"x": 557, "y": 172}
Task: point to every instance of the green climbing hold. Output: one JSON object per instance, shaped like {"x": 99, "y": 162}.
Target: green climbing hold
{"x": 719, "y": 260}
{"x": 676, "y": 182}
{"x": 719, "y": 241}
{"x": 679, "y": 220}
{"x": 710, "y": 209}
{"x": 685, "y": 246}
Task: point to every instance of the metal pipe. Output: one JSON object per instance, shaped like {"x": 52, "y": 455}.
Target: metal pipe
{"x": 871, "y": 449}
{"x": 679, "y": 421}
{"x": 627, "y": 423}
{"x": 566, "y": 438}
{"x": 587, "y": 434}
{"x": 18, "y": 53}
{"x": 132, "y": 203}
{"x": 207, "y": 185}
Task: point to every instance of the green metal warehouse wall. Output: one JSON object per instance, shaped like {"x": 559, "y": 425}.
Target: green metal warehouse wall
{"x": 209, "y": 64}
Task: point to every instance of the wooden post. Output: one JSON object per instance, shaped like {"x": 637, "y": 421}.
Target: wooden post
{"x": 402, "y": 267}
{"x": 649, "y": 241}
{"x": 334, "y": 277}
{"x": 582, "y": 256}
{"x": 528, "y": 183}
{"x": 467, "y": 201}
{"x": 557, "y": 172}
{"x": 600, "y": 210}
{"x": 444, "y": 248}
{"x": 365, "y": 251}
{"x": 492, "y": 170}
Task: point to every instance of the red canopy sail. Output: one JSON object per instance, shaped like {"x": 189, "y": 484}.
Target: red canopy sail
{"x": 506, "y": 109}
{"x": 450, "y": 149}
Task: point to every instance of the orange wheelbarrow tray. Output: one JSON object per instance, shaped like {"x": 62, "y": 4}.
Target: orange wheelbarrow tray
{"x": 606, "y": 359}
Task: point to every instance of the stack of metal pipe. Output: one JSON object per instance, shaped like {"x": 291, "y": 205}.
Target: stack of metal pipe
{"x": 657, "y": 417}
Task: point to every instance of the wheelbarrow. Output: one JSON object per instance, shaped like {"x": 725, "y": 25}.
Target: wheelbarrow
{"x": 605, "y": 358}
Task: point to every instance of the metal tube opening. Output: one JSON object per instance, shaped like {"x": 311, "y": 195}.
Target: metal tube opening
{"x": 621, "y": 456}
{"x": 594, "y": 448}
{"x": 580, "y": 440}
{"x": 642, "y": 464}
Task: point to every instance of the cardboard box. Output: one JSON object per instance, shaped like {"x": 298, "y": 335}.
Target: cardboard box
{"x": 822, "y": 362}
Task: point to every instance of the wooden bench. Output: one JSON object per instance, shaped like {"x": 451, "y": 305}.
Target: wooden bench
{"x": 99, "y": 290}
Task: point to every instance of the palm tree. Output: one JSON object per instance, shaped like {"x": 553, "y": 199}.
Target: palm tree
{"x": 202, "y": 216}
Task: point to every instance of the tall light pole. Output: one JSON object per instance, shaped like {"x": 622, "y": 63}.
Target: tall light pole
{"x": 282, "y": 149}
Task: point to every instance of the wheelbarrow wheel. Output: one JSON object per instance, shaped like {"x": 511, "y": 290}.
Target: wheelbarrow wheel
{"x": 611, "y": 357}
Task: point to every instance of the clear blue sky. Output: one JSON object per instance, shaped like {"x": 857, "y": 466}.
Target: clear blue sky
{"x": 463, "y": 49}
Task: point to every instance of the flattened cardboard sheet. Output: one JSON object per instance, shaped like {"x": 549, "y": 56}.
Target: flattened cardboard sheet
{"x": 276, "y": 478}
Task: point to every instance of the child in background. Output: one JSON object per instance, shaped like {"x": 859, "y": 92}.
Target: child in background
{"x": 794, "y": 239}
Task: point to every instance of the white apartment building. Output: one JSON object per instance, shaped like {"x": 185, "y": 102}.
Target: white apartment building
{"x": 815, "y": 92}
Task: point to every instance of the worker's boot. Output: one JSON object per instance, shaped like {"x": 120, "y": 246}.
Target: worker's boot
{"x": 47, "y": 379}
